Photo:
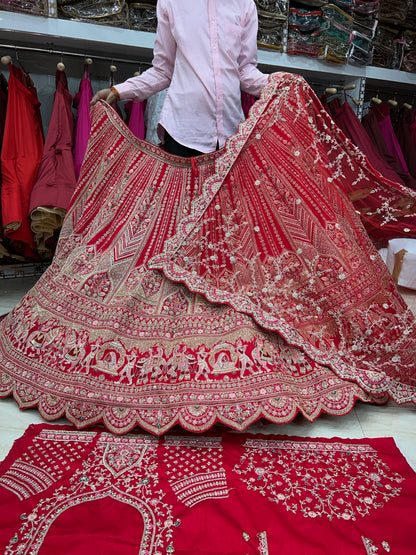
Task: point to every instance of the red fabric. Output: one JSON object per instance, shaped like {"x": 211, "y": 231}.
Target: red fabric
{"x": 135, "y": 118}
{"x": 403, "y": 133}
{"x": 3, "y": 111}
{"x": 83, "y": 124}
{"x": 56, "y": 181}
{"x": 20, "y": 158}
{"x": 371, "y": 124}
{"x": 298, "y": 312}
{"x": 348, "y": 121}
{"x": 66, "y": 492}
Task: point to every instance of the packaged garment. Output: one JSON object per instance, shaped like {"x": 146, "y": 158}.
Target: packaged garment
{"x": 305, "y": 44}
{"x": 384, "y": 45}
{"x": 304, "y": 20}
{"x": 366, "y": 7}
{"x": 335, "y": 41}
{"x": 394, "y": 11}
{"x": 275, "y": 7}
{"x": 142, "y": 17}
{"x": 409, "y": 51}
{"x": 106, "y": 12}
{"x": 345, "y": 5}
{"x": 358, "y": 55}
{"x": 271, "y": 30}
{"x": 34, "y": 7}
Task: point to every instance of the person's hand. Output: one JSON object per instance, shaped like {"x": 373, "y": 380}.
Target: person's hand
{"x": 104, "y": 94}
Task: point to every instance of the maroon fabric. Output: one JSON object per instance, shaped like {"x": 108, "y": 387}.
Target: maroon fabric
{"x": 135, "y": 118}
{"x": 404, "y": 136}
{"x": 64, "y": 491}
{"x": 3, "y": 110}
{"x": 371, "y": 124}
{"x": 247, "y": 101}
{"x": 56, "y": 181}
{"x": 346, "y": 119}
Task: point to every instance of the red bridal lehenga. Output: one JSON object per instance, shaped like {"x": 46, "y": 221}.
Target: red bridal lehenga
{"x": 227, "y": 287}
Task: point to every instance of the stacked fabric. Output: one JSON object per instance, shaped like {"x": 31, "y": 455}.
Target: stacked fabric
{"x": 335, "y": 34}
{"x": 34, "y": 7}
{"x": 142, "y": 16}
{"x": 396, "y": 44}
{"x": 272, "y": 15}
{"x": 303, "y": 31}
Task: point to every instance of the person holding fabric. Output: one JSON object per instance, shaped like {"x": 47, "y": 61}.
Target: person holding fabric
{"x": 206, "y": 53}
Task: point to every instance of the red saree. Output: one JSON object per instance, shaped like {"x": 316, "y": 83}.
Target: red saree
{"x": 287, "y": 306}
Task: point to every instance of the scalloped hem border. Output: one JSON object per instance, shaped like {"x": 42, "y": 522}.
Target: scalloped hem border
{"x": 209, "y": 416}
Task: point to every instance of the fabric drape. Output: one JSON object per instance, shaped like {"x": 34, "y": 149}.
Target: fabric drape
{"x": 56, "y": 180}
{"x": 83, "y": 123}
{"x": 20, "y": 159}
{"x": 228, "y": 286}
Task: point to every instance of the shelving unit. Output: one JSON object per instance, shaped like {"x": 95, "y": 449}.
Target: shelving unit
{"x": 91, "y": 39}
{"x": 138, "y": 45}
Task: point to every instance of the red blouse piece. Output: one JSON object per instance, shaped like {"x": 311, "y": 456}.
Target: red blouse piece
{"x": 65, "y": 491}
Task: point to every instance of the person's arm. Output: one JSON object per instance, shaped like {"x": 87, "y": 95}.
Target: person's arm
{"x": 155, "y": 79}
{"x": 252, "y": 80}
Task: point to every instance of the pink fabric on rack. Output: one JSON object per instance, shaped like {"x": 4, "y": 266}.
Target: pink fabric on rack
{"x": 83, "y": 126}
{"x": 135, "y": 118}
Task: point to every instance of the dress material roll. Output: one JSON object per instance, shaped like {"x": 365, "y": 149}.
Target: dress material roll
{"x": 232, "y": 286}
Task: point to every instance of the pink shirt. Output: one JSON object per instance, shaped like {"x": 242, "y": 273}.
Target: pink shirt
{"x": 206, "y": 53}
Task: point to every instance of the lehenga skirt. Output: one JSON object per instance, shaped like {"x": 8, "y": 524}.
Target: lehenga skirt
{"x": 227, "y": 287}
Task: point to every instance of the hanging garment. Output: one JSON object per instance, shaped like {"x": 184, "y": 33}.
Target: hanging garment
{"x": 287, "y": 305}
{"x": 20, "y": 158}
{"x": 64, "y": 492}
{"x": 366, "y": 199}
{"x": 152, "y": 111}
{"x": 384, "y": 120}
{"x": 83, "y": 124}
{"x": 3, "y": 110}
{"x": 56, "y": 181}
{"x": 135, "y": 118}
{"x": 371, "y": 124}
{"x": 348, "y": 121}
{"x": 402, "y": 130}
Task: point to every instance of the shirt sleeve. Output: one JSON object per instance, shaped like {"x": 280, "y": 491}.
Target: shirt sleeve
{"x": 159, "y": 76}
{"x": 252, "y": 80}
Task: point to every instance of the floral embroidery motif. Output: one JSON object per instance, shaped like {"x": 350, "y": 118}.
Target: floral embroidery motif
{"x": 319, "y": 479}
